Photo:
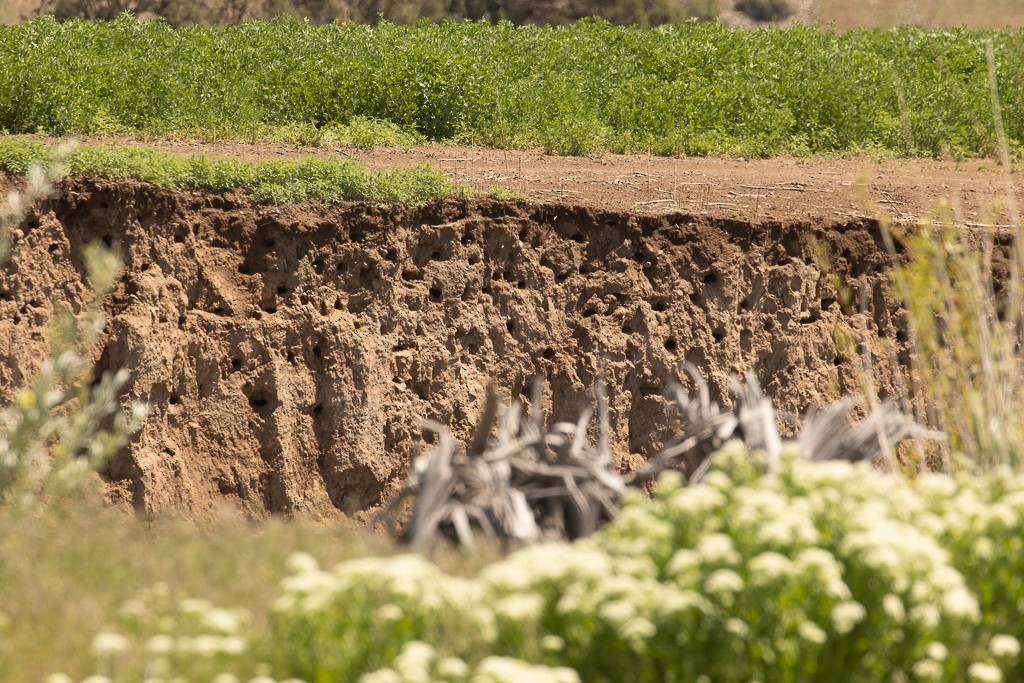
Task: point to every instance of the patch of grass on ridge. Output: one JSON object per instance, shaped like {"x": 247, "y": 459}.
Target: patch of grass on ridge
{"x": 280, "y": 180}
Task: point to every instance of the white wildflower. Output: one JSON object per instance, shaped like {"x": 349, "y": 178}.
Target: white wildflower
{"x": 926, "y": 616}
{"x": 390, "y": 612}
{"x": 96, "y": 679}
{"x": 58, "y": 678}
{"x": 108, "y": 644}
{"x": 521, "y": 607}
{"x": 194, "y": 606}
{"x": 617, "y": 612}
{"x": 452, "y": 669}
{"x": 718, "y": 480}
{"x": 846, "y": 615}
{"x": 724, "y": 584}
{"x": 134, "y": 608}
{"x": 233, "y": 645}
{"x": 812, "y": 633}
{"x": 717, "y": 549}
{"x": 928, "y": 670}
{"x": 225, "y": 678}
{"x": 775, "y": 533}
{"x": 382, "y": 676}
{"x": 160, "y": 644}
{"x": 684, "y": 566}
{"x": 959, "y": 602}
{"x": 507, "y": 670}
{"x": 695, "y": 502}
{"x": 552, "y": 643}
{"x": 301, "y": 563}
{"x": 769, "y": 566}
{"x": 221, "y": 621}
{"x": 936, "y": 487}
{"x": 1003, "y": 646}
{"x": 983, "y": 548}
{"x": 981, "y": 672}
{"x": 893, "y": 608}
{"x": 936, "y": 651}
{"x": 737, "y": 627}
{"x": 414, "y": 661}
{"x": 637, "y": 628}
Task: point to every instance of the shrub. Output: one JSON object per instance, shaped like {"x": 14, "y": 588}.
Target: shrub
{"x": 765, "y": 10}
{"x": 823, "y": 572}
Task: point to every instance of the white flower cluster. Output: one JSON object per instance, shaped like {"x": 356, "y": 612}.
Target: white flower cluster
{"x": 419, "y": 663}
{"x": 818, "y": 572}
{"x": 163, "y": 637}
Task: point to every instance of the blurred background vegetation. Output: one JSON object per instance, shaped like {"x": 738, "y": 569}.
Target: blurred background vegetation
{"x": 845, "y": 14}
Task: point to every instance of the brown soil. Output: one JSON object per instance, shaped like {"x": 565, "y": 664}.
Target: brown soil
{"x": 290, "y": 353}
{"x": 755, "y": 190}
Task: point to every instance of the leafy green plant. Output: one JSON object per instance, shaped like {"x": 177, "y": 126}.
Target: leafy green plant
{"x": 822, "y": 571}
{"x": 588, "y": 87}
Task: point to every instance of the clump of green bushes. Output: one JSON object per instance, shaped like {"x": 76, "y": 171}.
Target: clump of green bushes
{"x": 676, "y": 89}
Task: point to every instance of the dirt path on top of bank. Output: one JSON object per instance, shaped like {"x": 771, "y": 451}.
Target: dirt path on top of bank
{"x": 775, "y": 189}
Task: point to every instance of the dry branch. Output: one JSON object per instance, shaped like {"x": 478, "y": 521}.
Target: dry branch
{"x": 530, "y": 481}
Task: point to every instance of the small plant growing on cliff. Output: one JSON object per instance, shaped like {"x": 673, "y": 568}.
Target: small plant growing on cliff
{"x": 66, "y": 423}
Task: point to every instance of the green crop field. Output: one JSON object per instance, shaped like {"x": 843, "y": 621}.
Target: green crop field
{"x": 676, "y": 89}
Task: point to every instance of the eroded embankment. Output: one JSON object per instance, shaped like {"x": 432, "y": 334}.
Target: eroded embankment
{"x": 290, "y": 353}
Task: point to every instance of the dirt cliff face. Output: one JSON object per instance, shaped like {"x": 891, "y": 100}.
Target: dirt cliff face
{"x": 290, "y": 353}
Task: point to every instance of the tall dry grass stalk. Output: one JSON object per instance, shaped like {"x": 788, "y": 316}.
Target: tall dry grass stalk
{"x": 968, "y": 321}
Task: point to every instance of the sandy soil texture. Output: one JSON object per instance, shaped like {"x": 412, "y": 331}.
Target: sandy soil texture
{"x": 290, "y": 353}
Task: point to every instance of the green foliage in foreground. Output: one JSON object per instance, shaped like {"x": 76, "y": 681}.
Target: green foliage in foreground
{"x": 279, "y": 180}
{"x": 821, "y": 572}
{"x": 685, "y": 88}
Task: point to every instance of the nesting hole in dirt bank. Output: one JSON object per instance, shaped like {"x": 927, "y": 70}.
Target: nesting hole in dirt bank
{"x": 452, "y": 316}
{"x": 261, "y": 401}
